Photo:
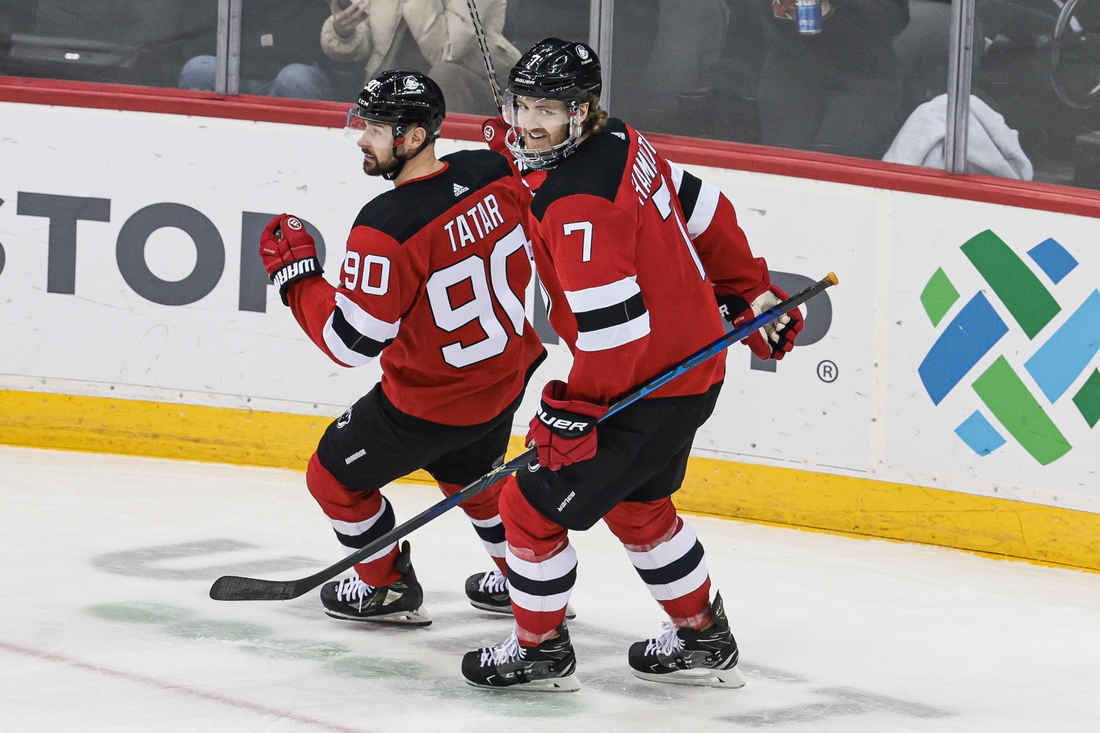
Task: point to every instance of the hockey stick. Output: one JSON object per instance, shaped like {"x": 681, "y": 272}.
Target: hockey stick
{"x": 236, "y": 588}
{"x": 485, "y": 56}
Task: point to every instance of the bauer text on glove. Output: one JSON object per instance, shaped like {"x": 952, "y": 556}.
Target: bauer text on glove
{"x": 563, "y": 430}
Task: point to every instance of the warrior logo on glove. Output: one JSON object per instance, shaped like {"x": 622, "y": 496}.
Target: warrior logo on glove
{"x": 288, "y": 252}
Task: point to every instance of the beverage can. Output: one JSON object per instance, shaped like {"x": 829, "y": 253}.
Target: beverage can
{"x": 809, "y": 16}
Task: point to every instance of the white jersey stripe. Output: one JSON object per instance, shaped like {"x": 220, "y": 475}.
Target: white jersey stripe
{"x": 490, "y": 522}
{"x": 665, "y": 553}
{"x": 558, "y": 566}
{"x": 498, "y": 549}
{"x": 602, "y": 296}
{"x": 683, "y": 586}
{"x": 705, "y": 206}
{"x": 677, "y": 176}
{"x": 538, "y": 604}
{"x": 357, "y": 528}
{"x": 365, "y": 323}
{"x": 614, "y": 336}
{"x": 340, "y": 350}
{"x": 380, "y": 554}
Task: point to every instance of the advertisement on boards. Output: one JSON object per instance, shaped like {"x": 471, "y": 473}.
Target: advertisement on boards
{"x": 958, "y": 352}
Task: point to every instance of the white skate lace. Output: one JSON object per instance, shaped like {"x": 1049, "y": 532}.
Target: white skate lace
{"x": 493, "y": 582}
{"x": 353, "y": 589}
{"x": 509, "y": 651}
{"x": 667, "y": 643}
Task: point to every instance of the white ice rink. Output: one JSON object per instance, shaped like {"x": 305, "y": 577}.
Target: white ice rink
{"x": 105, "y": 622}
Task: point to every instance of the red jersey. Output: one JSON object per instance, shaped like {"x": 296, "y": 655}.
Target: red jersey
{"x": 631, "y": 252}
{"x": 434, "y": 280}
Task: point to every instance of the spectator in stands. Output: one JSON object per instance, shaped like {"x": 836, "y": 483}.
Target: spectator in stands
{"x": 836, "y": 91}
{"x": 435, "y": 37}
{"x": 280, "y": 53}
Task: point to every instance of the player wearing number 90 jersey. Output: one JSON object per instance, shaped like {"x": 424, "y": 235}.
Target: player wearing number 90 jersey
{"x": 432, "y": 284}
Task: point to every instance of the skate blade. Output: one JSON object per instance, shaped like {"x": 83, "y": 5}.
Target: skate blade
{"x": 419, "y": 617}
{"x": 570, "y": 614}
{"x": 556, "y": 684}
{"x": 730, "y": 679}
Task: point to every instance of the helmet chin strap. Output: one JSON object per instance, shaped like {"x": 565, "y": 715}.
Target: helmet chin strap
{"x": 398, "y": 141}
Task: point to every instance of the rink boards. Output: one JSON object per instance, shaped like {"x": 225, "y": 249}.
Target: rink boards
{"x": 945, "y": 392}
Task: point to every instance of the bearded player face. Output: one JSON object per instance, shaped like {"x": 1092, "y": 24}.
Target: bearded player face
{"x": 543, "y": 122}
{"x": 376, "y": 142}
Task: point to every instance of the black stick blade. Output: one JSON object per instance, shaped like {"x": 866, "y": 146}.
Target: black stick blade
{"x": 236, "y": 588}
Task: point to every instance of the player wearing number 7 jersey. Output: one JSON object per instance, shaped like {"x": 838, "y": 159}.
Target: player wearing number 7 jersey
{"x": 633, "y": 254}
{"x": 432, "y": 284}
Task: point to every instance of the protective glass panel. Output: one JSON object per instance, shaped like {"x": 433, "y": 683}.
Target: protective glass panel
{"x": 444, "y": 46}
{"x": 282, "y": 52}
{"x": 834, "y": 78}
{"x": 145, "y": 42}
{"x": 1037, "y": 85}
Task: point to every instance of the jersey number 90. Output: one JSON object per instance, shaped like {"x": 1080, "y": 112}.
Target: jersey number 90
{"x": 480, "y": 307}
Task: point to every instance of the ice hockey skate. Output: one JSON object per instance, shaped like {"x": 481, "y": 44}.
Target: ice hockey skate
{"x": 396, "y": 603}
{"x": 548, "y": 667}
{"x": 686, "y": 657}
{"x": 489, "y": 592}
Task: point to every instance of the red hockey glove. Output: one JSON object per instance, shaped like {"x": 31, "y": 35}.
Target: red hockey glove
{"x": 494, "y": 130}
{"x": 779, "y": 335}
{"x": 564, "y": 431}
{"x": 288, "y": 251}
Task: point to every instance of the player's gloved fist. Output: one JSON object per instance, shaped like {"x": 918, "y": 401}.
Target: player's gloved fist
{"x": 288, "y": 252}
{"x": 494, "y": 131}
{"x": 779, "y": 335}
{"x": 564, "y": 431}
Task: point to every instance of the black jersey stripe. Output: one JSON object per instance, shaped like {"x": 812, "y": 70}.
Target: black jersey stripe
{"x": 494, "y": 535}
{"x": 675, "y": 570}
{"x": 612, "y": 315}
{"x": 381, "y": 526}
{"x": 688, "y": 194}
{"x": 551, "y": 587}
{"x": 354, "y": 340}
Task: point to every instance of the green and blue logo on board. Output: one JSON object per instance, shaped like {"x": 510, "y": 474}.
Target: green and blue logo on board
{"x": 1059, "y": 357}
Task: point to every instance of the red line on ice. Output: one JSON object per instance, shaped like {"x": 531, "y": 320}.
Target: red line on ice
{"x": 161, "y": 685}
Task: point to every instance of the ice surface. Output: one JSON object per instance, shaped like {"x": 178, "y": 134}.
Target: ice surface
{"x": 105, "y": 622}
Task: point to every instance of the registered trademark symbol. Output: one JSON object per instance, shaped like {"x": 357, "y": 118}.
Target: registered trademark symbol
{"x": 827, "y": 371}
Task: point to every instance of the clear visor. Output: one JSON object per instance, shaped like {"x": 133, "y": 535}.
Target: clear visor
{"x": 379, "y": 134}
{"x": 531, "y": 113}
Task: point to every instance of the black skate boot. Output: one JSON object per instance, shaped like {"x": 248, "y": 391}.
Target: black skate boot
{"x": 489, "y": 592}
{"x": 686, "y": 657}
{"x": 548, "y": 667}
{"x": 396, "y": 603}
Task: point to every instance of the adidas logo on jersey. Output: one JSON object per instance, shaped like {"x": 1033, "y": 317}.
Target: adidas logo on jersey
{"x": 460, "y": 189}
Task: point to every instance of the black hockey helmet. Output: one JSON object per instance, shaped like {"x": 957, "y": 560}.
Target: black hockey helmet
{"x": 557, "y": 69}
{"x": 401, "y": 98}
{"x": 566, "y": 71}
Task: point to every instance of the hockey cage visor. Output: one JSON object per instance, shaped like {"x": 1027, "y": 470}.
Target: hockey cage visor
{"x": 531, "y": 118}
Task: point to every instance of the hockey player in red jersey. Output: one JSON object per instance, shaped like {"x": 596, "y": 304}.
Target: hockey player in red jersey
{"x": 432, "y": 283}
{"x": 633, "y": 253}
